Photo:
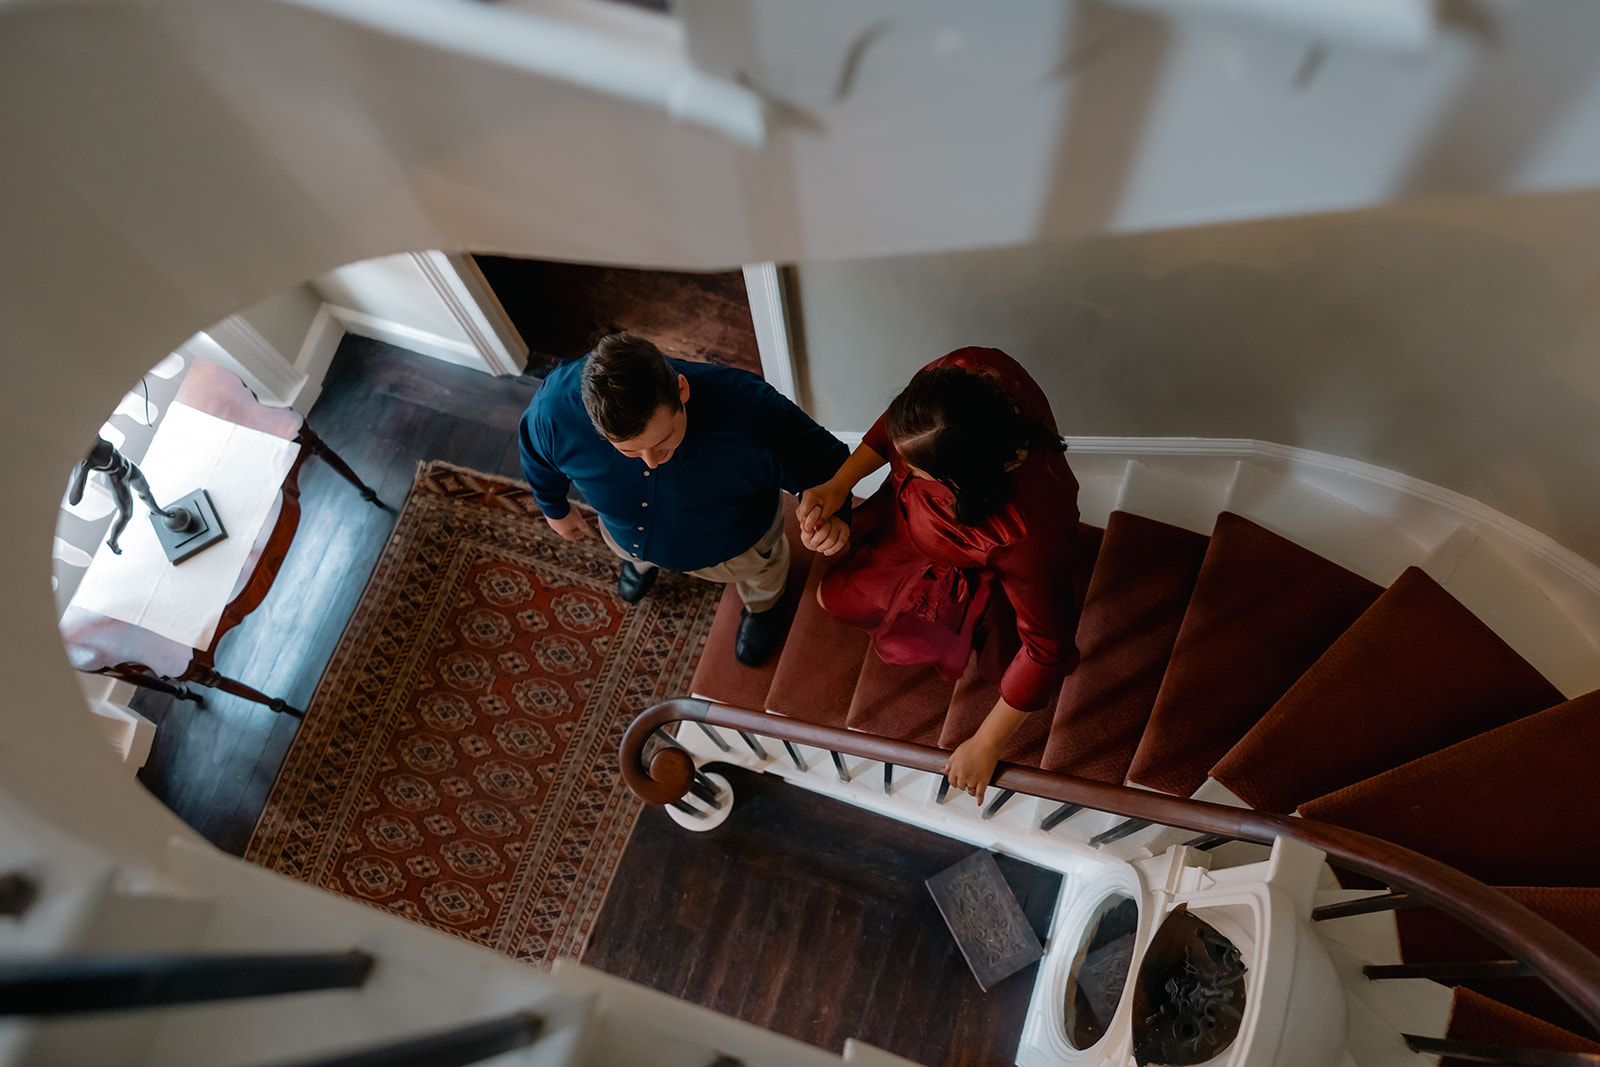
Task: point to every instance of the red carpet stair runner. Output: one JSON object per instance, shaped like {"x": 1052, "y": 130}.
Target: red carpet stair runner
{"x": 1298, "y": 685}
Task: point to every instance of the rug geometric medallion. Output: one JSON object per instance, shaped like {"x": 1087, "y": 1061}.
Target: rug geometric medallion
{"x": 458, "y": 761}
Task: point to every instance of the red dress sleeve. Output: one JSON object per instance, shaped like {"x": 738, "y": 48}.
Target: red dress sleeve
{"x": 1035, "y": 574}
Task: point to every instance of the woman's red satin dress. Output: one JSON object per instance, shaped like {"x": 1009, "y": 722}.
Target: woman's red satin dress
{"x": 923, "y": 585}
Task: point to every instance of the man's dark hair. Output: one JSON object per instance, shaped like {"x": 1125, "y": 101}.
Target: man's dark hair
{"x": 626, "y": 380}
{"x": 963, "y": 429}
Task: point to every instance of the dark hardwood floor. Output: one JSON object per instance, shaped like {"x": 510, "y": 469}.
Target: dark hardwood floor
{"x": 808, "y": 916}
{"x": 384, "y": 410}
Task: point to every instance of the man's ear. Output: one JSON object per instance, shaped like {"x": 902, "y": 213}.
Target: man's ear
{"x": 683, "y": 389}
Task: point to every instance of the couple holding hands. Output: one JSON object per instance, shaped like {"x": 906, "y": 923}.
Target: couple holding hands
{"x": 968, "y": 544}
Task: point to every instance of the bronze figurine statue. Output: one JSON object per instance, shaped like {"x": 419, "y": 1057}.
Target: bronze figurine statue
{"x": 121, "y": 473}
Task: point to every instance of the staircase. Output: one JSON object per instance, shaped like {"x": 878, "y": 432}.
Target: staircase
{"x": 1268, "y": 635}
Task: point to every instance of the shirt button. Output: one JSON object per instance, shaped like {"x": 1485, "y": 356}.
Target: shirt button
{"x": 645, "y": 504}
{"x": 647, "y": 474}
{"x": 641, "y": 529}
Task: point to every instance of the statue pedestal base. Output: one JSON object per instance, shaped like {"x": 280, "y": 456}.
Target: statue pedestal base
{"x": 204, "y": 530}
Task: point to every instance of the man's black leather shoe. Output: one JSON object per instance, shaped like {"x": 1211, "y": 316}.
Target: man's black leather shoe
{"x": 759, "y": 636}
{"x": 633, "y": 584}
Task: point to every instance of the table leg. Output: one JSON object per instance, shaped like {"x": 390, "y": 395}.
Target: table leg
{"x": 209, "y": 676}
{"x": 137, "y": 674}
{"x": 319, "y": 448}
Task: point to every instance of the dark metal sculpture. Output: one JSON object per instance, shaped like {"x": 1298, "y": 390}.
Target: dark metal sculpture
{"x": 1188, "y": 1000}
{"x": 121, "y": 473}
{"x": 183, "y": 531}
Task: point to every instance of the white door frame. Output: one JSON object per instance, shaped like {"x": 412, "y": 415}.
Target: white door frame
{"x": 769, "y": 307}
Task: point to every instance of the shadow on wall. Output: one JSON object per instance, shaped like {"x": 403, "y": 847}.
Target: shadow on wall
{"x": 1497, "y": 123}
{"x": 1437, "y": 351}
{"x": 1453, "y": 354}
{"x": 1113, "y": 65}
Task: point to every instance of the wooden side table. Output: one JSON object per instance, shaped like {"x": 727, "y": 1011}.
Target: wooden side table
{"x": 137, "y": 619}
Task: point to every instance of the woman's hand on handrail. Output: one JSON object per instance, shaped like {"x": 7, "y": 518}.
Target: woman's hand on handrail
{"x": 971, "y": 766}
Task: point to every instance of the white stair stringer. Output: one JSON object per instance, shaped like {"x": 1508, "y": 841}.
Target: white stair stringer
{"x": 1335, "y": 529}
{"x": 1373, "y": 936}
{"x": 1512, "y": 603}
{"x": 1371, "y": 1042}
{"x": 1188, "y": 499}
{"x": 1100, "y": 480}
{"x": 1409, "y": 1005}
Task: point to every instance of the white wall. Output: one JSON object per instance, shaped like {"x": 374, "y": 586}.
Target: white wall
{"x": 1458, "y": 341}
{"x": 392, "y": 288}
{"x": 428, "y": 302}
{"x": 284, "y": 319}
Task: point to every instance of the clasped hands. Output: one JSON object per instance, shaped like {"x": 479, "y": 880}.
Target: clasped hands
{"x": 821, "y": 529}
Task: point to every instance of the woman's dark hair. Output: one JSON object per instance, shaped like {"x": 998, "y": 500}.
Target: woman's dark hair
{"x": 626, "y": 380}
{"x": 963, "y": 429}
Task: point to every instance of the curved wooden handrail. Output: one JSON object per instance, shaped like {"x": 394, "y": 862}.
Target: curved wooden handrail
{"x": 1559, "y": 959}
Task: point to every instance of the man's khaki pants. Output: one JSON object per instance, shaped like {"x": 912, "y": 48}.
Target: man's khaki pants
{"x": 760, "y": 574}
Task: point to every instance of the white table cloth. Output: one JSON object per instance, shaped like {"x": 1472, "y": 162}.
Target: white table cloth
{"x": 243, "y": 470}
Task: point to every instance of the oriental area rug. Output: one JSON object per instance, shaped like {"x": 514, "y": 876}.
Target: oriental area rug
{"x": 458, "y": 762}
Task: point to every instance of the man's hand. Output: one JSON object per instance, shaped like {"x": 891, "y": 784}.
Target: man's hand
{"x": 828, "y": 539}
{"x": 573, "y": 526}
{"x": 971, "y": 765}
{"x": 819, "y": 504}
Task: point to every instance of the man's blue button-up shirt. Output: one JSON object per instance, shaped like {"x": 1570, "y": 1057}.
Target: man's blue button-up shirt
{"x": 714, "y": 499}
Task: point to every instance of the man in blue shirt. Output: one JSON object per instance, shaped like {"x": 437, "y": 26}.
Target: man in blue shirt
{"x": 684, "y": 463}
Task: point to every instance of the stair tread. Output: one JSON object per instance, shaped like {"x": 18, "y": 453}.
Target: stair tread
{"x": 816, "y": 674}
{"x": 1476, "y": 1017}
{"x": 895, "y": 700}
{"x": 721, "y": 677}
{"x": 1500, "y": 806}
{"x": 1429, "y": 936}
{"x": 1141, "y": 583}
{"x": 1414, "y": 673}
{"x": 1264, "y": 609}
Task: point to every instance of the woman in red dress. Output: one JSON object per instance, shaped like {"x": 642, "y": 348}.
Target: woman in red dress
{"x": 978, "y": 496}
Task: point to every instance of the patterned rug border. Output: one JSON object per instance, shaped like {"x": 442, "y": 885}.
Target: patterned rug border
{"x": 319, "y": 777}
